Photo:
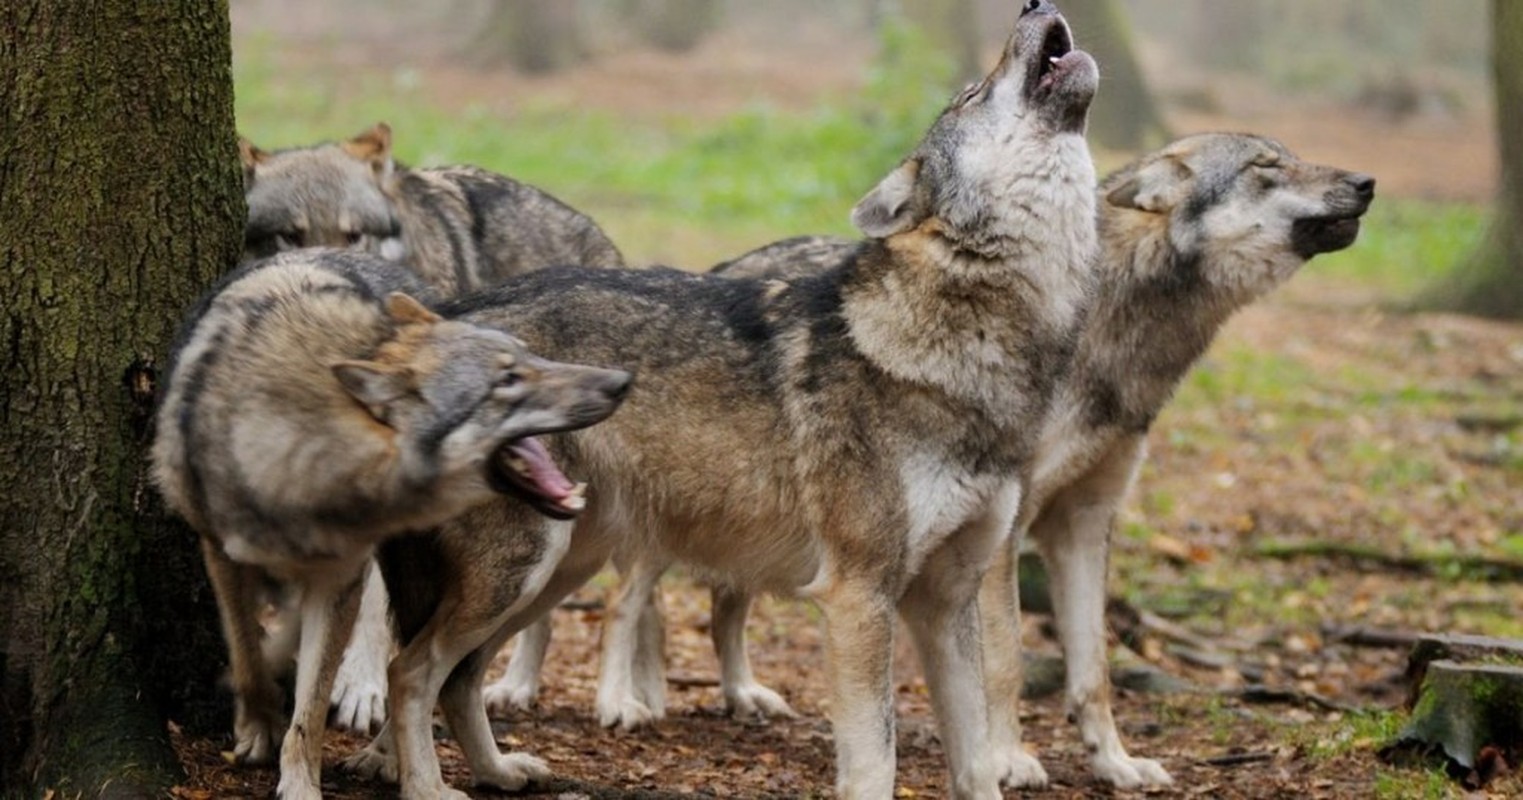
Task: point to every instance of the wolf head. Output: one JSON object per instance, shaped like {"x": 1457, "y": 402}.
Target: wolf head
{"x": 1242, "y": 207}
{"x": 985, "y": 163}
{"x": 329, "y": 195}
{"x": 453, "y": 392}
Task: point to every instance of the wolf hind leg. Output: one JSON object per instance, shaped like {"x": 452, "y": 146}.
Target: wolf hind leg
{"x": 518, "y": 687}
{"x": 328, "y": 609}
{"x": 1073, "y": 534}
{"x": 744, "y": 696}
{"x": 619, "y": 702}
{"x": 258, "y": 703}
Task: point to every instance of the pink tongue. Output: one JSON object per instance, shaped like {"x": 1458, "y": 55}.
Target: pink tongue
{"x": 547, "y": 477}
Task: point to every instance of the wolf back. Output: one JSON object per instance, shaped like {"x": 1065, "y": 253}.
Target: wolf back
{"x": 460, "y": 227}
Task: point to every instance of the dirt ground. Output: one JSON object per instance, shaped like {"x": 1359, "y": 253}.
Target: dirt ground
{"x": 1225, "y": 478}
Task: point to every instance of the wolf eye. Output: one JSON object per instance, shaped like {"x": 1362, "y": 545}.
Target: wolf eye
{"x": 967, "y": 94}
{"x": 509, "y": 379}
{"x": 353, "y": 238}
{"x": 290, "y": 240}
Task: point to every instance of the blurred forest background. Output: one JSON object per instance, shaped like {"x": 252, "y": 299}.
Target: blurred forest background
{"x": 694, "y": 129}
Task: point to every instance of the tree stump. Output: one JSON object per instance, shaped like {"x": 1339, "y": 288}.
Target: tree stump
{"x": 1472, "y": 714}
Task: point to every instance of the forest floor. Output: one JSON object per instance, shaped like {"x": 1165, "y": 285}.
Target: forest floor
{"x": 1331, "y": 464}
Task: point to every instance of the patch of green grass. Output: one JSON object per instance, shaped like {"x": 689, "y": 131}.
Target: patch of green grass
{"x": 1354, "y": 733}
{"x": 1243, "y": 374}
{"x": 1429, "y": 784}
{"x": 1406, "y": 245}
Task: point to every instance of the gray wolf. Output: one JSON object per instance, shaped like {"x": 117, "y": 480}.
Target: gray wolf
{"x": 458, "y": 228}
{"x": 1188, "y": 235}
{"x": 312, "y": 408}
{"x": 858, "y": 437}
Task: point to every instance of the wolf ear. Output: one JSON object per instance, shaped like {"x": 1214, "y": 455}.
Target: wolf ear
{"x": 375, "y": 384}
{"x": 373, "y": 146}
{"x": 251, "y": 157}
{"x": 1155, "y": 188}
{"x": 404, "y": 309}
{"x": 886, "y": 210}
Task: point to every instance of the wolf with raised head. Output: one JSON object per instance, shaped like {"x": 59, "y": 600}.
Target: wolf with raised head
{"x": 314, "y": 407}
{"x": 1188, "y": 235}
{"x": 858, "y": 438}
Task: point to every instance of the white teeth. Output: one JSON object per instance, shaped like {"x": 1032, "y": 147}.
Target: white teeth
{"x": 519, "y": 465}
{"x": 574, "y": 503}
{"x": 1053, "y": 59}
{"x": 579, "y": 490}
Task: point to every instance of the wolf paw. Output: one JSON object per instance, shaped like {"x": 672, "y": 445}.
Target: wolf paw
{"x": 513, "y": 771}
{"x": 1021, "y": 770}
{"x": 255, "y": 738}
{"x": 359, "y": 704}
{"x": 293, "y": 789}
{"x": 627, "y": 714}
{"x": 1125, "y": 772}
{"x": 755, "y": 701}
{"x": 374, "y": 763}
{"x": 505, "y": 696}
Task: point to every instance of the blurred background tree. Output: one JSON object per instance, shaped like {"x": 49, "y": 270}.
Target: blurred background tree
{"x": 1124, "y": 116}
{"x": 535, "y": 36}
{"x": 1490, "y": 281}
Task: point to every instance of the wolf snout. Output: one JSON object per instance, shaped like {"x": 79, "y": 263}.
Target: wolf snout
{"x": 1038, "y": 7}
{"x": 614, "y": 383}
{"x": 1362, "y": 184}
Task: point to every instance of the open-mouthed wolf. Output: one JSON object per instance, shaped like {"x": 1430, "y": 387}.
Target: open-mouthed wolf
{"x": 857, "y": 438}
{"x": 458, "y": 228}
{"x": 1188, "y": 235}
{"x": 314, "y": 407}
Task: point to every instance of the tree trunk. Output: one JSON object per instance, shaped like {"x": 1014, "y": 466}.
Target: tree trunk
{"x": 954, "y": 26}
{"x": 1124, "y": 116}
{"x": 1490, "y": 282}
{"x": 535, "y": 36}
{"x": 122, "y": 200}
{"x": 675, "y": 26}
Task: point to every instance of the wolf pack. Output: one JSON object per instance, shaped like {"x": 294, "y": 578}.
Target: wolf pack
{"x": 432, "y": 403}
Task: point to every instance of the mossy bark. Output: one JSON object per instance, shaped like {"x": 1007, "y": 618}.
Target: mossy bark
{"x": 122, "y": 200}
{"x": 1490, "y": 282}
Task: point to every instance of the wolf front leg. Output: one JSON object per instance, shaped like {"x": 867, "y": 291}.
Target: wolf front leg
{"x": 999, "y": 605}
{"x": 941, "y": 610}
{"x": 859, "y": 631}
{"x": 1073, "y": 533}
{"x": 359, "y": 691}
{"x": 328, "y": 608}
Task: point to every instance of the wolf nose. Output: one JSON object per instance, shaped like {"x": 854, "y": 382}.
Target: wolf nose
{"x": 1038, "y": 6}
{"x": 1363, "y": 184}
{"x": 619, "y": 384}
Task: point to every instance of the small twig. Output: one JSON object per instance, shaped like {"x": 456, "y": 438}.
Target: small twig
{"x": 1374, "y": 559}
{"x": 686, "y": 681}
{"x": 1361, "y": 636}
{"x": 1239, "y": 759}
{"x": 1257, "y": 693}
{"x": 582, "y": 605}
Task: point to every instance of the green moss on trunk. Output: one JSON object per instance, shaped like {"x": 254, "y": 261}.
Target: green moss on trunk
{"x": 123, "y": 200}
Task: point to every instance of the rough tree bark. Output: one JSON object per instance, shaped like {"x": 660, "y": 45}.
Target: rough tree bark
{"x": 1490, "y": 282}
{"x": 1124, "y": 116}
{"x": 122, "y": 200}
